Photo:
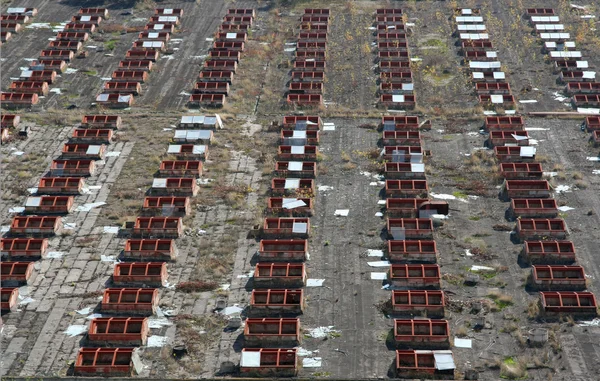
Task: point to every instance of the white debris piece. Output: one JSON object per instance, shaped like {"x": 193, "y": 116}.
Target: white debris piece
{"x": 314, "y": 282}
{"x": 54, "y": 255}
{"x": 462, "y": 343}
{"x": 378, "y": 214}
{"x": 249, "y": 275}
{"x": 111, "y": 229}
{"x": 305, "y": 352}
{"x": 482, "y": 268}
{"x": 250, "y": 360}
{"x": 378, "y": 276}
{"x": 232, "y": 310}
{"x": 381, "y": 202}
{"x": 157, "y": 341}
{"x": 342, "y": 212}
{"x": 374, "y": 253}
{"x": 76, "y": 330}
{"x": 16, "y": 209}
{"x": 23, "y": 300}
{"x": 324, "y": 188}
{"x": 85, "y": 311}
{"x": 311, "y": 362}
{"x": 590, "y": 323}
{"x": 562, "y": 189}
{"x": 565, "y": 208}
{"x": 112, "y": 154}
{"x": 108, "y": 258}
{"x": 379, "y": 264}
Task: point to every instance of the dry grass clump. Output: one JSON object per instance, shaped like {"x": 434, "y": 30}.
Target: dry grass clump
{"x": 461, "y": 331}
{"x": 533, "y": 309}
{"x": 348, "y": 166}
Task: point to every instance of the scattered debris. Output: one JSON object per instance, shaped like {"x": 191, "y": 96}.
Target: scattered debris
{"x": 159, "y": 322}
{"x": 342, "y": 212}
{"x": 559, "y": 97}
{"x": 90, "y": 206}
{"x": 321, "y": 332}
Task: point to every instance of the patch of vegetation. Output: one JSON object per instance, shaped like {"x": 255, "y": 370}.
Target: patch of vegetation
{"x": 110, "y": 45}
{"x": 474, "y": 218}
{"x": 501, "y": 300}
{"x": 434, "y": 42}
{"x": 513, "y": 369}
{"x": 460, "y": 194}
{"x": 196, "y": 286}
